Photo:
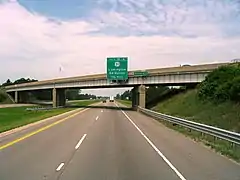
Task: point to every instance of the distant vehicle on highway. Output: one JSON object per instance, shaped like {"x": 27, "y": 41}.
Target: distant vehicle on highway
{"x": 104, "y": 101}
{"x": 111, "y": 99}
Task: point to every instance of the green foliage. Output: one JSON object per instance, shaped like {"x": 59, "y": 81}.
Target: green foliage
{"x": 126, "y": 94}
{"x": 7, "y": 83}
{"x": 23, "y": 80}
{"x": 18, "y": 81}
{"x": 75, "y": 94}
{"x": 3, "y": 96}
{"x": 221, "y": 85}
{"x": 234, "y": 90}
{"x": 187, "y": 105}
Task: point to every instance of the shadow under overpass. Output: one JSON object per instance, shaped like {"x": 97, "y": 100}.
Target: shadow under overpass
{"x": 102, "y": 107}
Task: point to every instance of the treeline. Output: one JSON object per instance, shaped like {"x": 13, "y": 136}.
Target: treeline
{"x": 75, "y": 94}
{"x": 223, "y": 84}
{"x": 18, "y": 81}
{"x": 3, "y": 96}
{"x": 154, "y": 94}
{"x": 71, "y": 94}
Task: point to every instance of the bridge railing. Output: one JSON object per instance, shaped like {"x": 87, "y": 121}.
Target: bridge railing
{"x": 210, "y": 130}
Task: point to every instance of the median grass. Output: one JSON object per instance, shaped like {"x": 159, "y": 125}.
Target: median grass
{"x": 223, "y": 115}
{"x": 13, "y": 117}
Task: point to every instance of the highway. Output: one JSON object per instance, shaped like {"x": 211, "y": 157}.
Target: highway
{"x": 109, "y": 143}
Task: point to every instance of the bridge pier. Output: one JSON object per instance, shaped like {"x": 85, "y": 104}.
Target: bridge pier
{"x": 59, "y": 97}
{"x": 21, "y": 97}
{"x": 135, "y": 98}
{"x": 139, "y": 96}
{"x": 142, "y": 95}
{"x": 16, "y": 96}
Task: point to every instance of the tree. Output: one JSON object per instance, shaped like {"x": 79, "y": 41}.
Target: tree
{"x": 7, "y": 83}
{"x": 222, "y": 84}
{"x": 118, "y": 96}
{"x": 126, "y": 94}
{"x": 23, "y": 80}
{"x": 72, "y": 94}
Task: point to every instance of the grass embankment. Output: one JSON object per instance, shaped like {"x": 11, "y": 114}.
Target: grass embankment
{"x": 127, "y": 103}
{"x": 224, "y": 115}
{"x": 4, "y": 97}
{"x": 13, "y": 117}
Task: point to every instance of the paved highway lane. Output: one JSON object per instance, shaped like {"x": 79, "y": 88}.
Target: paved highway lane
{"x": 38, "y": 156}
{"x": 110, "y": 144}
{"x": 114, "y": 149}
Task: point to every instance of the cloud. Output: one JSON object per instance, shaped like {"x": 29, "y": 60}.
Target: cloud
{"x": 36, "y": 46}
{"x": 186, "y": 18}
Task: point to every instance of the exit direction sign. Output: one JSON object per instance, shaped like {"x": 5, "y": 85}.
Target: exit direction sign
{"x": 140, "y": 73}
{"x": 117, "y": 68}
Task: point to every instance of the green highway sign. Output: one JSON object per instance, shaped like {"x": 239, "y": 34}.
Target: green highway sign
{"x": 140, "y": 73}
{"x": 117, "y": 68}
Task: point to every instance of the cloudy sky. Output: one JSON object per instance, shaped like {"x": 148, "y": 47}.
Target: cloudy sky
{"x": 40, "y": 37}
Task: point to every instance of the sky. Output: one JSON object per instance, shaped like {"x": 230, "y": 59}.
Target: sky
{"x": 45, "y": 39}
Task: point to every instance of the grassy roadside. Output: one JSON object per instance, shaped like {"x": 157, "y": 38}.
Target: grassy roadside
{"x": 4, "y": 97}
{"x": 13, "y": 117}
{"x": 125, "y": 102}
{"x": 225, "y": 115}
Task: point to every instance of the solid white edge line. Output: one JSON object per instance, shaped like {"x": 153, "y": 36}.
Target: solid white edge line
{"x": 80, "y": 141}
{"x": 97, "y": 118}
{"x": 155, "y": 148}
{"x": 60, "y": 167}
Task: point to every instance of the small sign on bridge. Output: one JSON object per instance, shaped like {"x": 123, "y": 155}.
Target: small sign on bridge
{"x": 140, "y": 73}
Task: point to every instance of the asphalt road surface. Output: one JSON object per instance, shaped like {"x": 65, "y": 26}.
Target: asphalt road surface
{"x": 109, "y": 144}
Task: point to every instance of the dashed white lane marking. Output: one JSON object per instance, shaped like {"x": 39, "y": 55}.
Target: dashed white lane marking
{"x": 155, "y": 148}
{"x": 80, "y": 141}
{"x": 97, "y": 118}
{"x": 101, "y": 110}
{"x": 60, "y": 167}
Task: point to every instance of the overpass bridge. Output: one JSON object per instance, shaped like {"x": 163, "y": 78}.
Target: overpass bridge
{"x": 181, "y": 75}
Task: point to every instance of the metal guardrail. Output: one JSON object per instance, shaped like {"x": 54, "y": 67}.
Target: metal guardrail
{"x": 42, "y": 108}
{"x": 213, "y": 131}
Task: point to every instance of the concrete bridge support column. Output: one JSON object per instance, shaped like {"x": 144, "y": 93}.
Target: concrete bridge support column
{"x": 59, "y": 97}
{"x": 16, "y": 97}
{"x": 139, "y": 96}
{"x": 135, "y": 98}
{"x": 142, "y": 96}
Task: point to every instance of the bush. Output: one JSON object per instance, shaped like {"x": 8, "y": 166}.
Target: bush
{"x": 2, "y": 97}
{"x": 234, "y": 91}
{"x": 222, "y": 84}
